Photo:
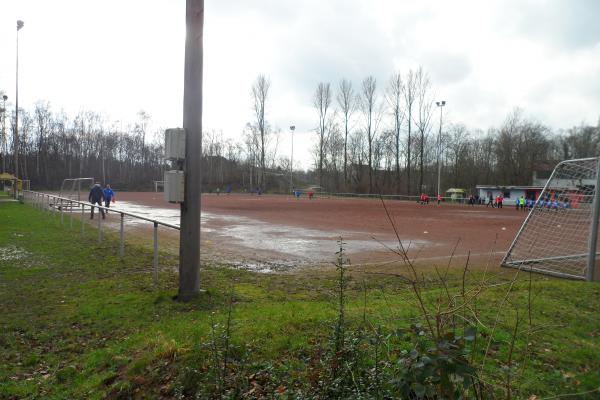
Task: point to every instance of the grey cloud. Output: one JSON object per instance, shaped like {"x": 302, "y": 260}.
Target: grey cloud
{"x": 570, "y": 24}
{"x": 332, "y": 44}
{"x": 447, "y": 68}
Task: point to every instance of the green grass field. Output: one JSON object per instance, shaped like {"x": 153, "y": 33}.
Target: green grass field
{"x": 76, "y": 321}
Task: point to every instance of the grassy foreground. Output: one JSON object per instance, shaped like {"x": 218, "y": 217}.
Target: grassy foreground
{"x": 76, "y": 321}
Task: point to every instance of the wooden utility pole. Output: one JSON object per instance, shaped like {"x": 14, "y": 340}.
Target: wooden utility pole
{"x": 189, "y": 237}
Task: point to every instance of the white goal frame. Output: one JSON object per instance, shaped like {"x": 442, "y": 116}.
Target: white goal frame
{"x": 157, "y": 184}
{"x": 561, "y": 239}
{"x": 76, "y": 188}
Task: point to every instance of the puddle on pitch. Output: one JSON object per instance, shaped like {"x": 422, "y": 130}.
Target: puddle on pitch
{"x": 279, "y": 247}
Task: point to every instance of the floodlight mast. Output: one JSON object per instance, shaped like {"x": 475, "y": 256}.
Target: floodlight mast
{"x": 16, "y": 137}
{"x": 292, "y": 129}
{"x": 440, "y": 104}
{"x": 189, "y": 237}
{"x": 3, "y": 144}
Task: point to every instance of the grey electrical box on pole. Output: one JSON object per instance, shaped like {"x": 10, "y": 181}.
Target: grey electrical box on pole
{"x": 174, "y": 180}
{"x": 175, "y": 144}
{"x": 189, "y": 237}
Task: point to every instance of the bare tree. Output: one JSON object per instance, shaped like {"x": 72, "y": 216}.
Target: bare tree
{"x": 335, "y": 149}
{"x": 458, "y": 145}
{"x": 43, "y": 119}
{"x": 141, "y": 130}
{"x": 322, "y": 102}
{"x": 346, "y": 100}
{"x": 372, "y": 114}
{"x": 356, "y": 154}
{"x": 394, "y": 95}
{"x": 423, "y": 117}
{"x": 260, "y": 93}
{"x": 410, "y": 94}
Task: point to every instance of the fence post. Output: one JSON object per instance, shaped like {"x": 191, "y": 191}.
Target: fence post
{"x": 155, "y": 252}
{"x": 62, "y": 215}
{"x": 71, "y": 215}
{"x": 122, "y": 238}
{"x": 82, "y": 213}
{"x": 99, "y": 228}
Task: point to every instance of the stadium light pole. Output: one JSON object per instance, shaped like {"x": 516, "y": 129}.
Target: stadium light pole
{"x": 189, "y": 236}
{"x": 4, "y": 98}
{"x": 16, "y": 138}
{"x": 292, "y": 129}
{"x": 440, "y": 104}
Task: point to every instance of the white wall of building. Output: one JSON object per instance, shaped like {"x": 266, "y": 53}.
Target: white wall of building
{"x": 510, "y": 195}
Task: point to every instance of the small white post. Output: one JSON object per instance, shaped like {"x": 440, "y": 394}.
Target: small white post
{"x": 62, "y": 215}
{"x": 155, "y": 252}
{"x": 82, "y": 214}
{"x": 99, "y": 228}
{"x": 71, "y": 215}
{"x": 122, "y": 238}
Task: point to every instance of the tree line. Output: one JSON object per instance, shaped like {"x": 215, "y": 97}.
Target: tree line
{"x": 369, "y": 139}
{"x": 387, "y": 140}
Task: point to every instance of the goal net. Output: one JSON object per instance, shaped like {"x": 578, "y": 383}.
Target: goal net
{"x": 558, "y": 236}
{"x": 76, "y": 188}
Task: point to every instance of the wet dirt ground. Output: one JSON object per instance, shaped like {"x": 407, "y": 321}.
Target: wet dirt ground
{"x": 271, "y": 232}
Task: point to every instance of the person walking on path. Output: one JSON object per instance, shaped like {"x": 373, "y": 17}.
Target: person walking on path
{"x": 439, "y": 199}
{"x": 96, "y": 196}
{"x": 109, "y": 196}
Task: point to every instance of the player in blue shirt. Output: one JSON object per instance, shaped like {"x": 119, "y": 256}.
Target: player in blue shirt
{"x": 109, "y": 196}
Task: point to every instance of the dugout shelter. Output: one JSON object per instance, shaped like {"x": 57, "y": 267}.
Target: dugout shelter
{"x": 456, "y": 194}
{"x": 6, "y": 177}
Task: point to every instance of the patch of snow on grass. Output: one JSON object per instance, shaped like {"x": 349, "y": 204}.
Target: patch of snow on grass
{"x": 12, "y": 253}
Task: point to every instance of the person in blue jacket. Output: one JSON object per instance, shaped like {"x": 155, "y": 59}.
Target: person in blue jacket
{"x": 96, "y": 196}
{"x": 109, "y": 195}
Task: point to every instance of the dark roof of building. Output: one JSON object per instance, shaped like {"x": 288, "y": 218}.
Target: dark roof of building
{"x": 509, "y": 187}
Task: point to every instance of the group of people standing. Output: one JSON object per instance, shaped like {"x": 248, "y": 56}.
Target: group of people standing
{"x": 98, "y": 195}
{"x": 526, "y": 204}
{"x": 495, "y": 202}
{"x": 424, "y": 199}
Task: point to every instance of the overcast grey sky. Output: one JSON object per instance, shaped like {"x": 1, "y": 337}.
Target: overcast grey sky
{"x": 117, "y": 57}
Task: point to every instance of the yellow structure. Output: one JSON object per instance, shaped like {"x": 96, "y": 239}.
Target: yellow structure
{"x": 456, "y": 194}
{"x": 4, "y": 177}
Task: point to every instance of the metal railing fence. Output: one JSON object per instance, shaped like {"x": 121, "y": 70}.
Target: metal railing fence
{"x": 57, "y": 204}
